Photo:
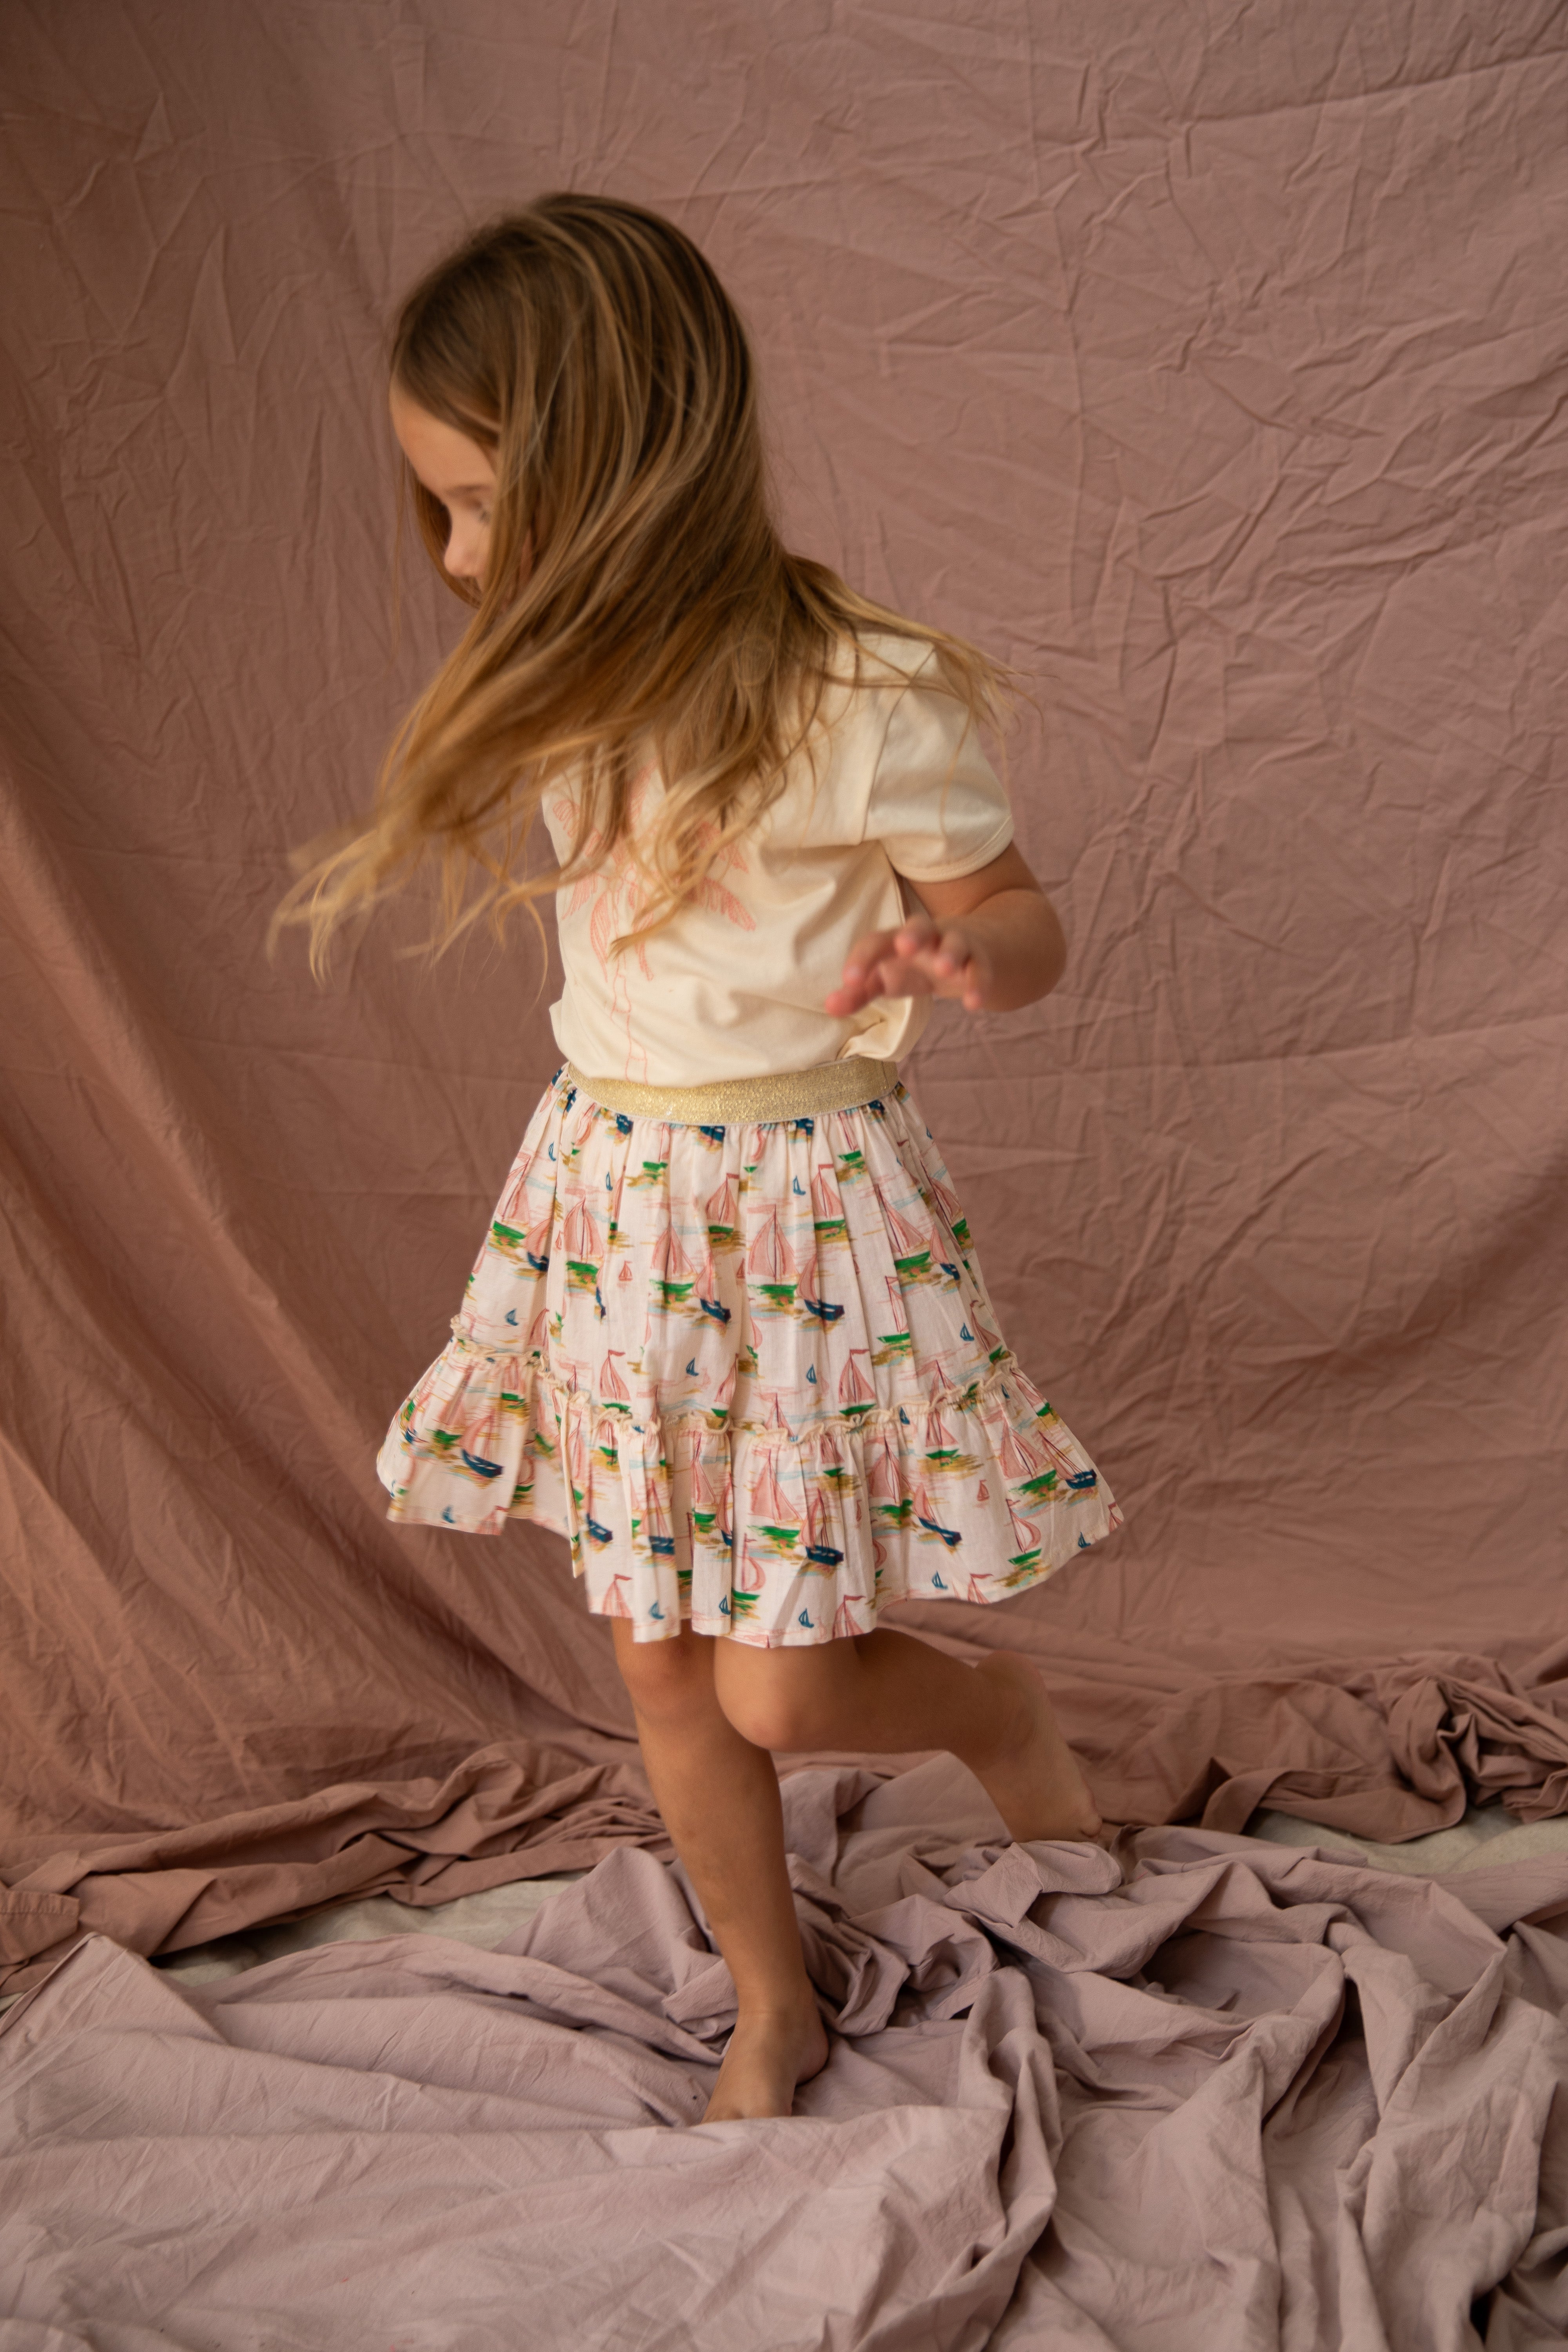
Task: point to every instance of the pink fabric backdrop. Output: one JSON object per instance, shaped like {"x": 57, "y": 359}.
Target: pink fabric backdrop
{"x": 1209, "y": 367}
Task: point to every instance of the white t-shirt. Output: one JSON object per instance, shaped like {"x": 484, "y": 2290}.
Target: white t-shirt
{"x": 732, "y": 986}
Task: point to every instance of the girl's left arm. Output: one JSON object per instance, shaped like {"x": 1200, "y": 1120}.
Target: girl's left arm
{"x": 990, "y": 940}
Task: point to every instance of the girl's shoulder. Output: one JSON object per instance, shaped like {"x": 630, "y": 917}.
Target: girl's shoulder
{"x": 879, "y": 661}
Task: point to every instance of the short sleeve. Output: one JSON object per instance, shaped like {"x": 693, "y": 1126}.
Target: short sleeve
{"x": 936, "y": 804}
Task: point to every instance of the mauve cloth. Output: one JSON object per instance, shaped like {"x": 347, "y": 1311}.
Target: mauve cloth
{"x": 1392, "y": 1750}
{"x": 1249, "y": 2098}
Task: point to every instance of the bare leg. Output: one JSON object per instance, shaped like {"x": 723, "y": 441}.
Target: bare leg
{"x": 718, "y": 1795}
{"x": 886, "y": 1692}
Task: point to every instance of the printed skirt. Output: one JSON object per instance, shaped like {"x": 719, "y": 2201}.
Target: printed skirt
{"x": 750, "y": 1371}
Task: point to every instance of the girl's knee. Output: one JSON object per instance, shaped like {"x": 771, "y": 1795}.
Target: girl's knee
{"x": 666, "y": 1677}
{"x": 776, "y": 1701}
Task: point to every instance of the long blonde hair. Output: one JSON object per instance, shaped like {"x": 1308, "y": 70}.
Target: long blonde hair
{"x": 638, "y": 601}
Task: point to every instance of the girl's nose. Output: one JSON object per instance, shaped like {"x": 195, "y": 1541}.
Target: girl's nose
{"x": 464, "y": 558}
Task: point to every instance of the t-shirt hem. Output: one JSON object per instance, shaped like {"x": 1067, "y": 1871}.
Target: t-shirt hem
{"x": 956, "y": 868}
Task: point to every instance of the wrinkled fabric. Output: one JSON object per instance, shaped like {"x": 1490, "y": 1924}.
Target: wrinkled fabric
{"x": 750, "y": 1372}
{"x": 1245, "y": 2099}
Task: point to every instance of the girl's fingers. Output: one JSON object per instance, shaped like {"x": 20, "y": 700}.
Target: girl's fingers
{"x": 916, "y": 959}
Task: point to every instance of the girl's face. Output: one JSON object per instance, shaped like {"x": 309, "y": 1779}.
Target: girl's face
{"x": 456, "y": 471}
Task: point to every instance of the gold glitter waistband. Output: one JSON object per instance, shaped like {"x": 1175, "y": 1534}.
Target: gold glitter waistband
{"x": 785, "y": 1094}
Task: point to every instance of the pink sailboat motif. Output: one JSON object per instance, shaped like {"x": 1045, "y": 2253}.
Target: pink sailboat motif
{"x": 580, "y": 1239}
{"x": 829, "y": 1461}
{"x": 707, "y": 1298}
{"x": 819, "y": 1552}
{"x": 722, "y": 1212}
{"x": 751, "y": 1575}
{"x": 897, "y": 1342}
{"x": 724, "y": 1396}
{"x": 855, "y": 1393}
{"x": 846, "y": 1625}
{"x": 617, "y": 1600}
{"x": 613, "y": 1389}
{"x": 1016, "y": 1461}
{"x": 989, "y": 1340}
{"x": 480, "y": 1453}
{"x": 885, "y": 1485}
{"x": 1027, "y": 1535}
{"x": 769, "y": 1263}
{"x": 925, "y": 1513}
{"x": 950, "y": 1210}
{"x": 827, "y": 1207}
{"x": 821, "y": 1310}
{"x": 940, "y": 1446}
{"x": 671, "y": 1269}
{"x": 513, "y": 1209}
{"x": 912, "y": 1248}
{"x": 656, "y": 1523}
{"x": 772, "y": 1508}
{"x": 701, "y": 1499}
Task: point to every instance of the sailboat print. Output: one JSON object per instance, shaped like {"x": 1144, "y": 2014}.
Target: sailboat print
{"x": 724, "y": 1398}
{"x": 827, "y": 1208}
{"x": 655, "y": 1521}
{"x": 702, "y": 1506}
{"x": 580, "y": 1239}
{"x": 652, "y": 1170}
{"x": 708, "y": 1298}
{"x": 577, "y": 1457}
{"x": 513, "y": 1209}
{"x": 722, "y": 1213}
{"x": 898, "y": 1345}
{"x": 613, "y": 1389}
{"x": 884, "y": 1487}
{"x": 671, "y": 1270}
{"x": 631, "y": 1328}
{"x": 479, "y": 1454}
{"x": 748, "y": 1582}
{"x": 773, "y": 1513}
{"x": 925, "y": 1513}
{"x": 912, "y": 1248}
{"x": 819, "y": 1552}
{"x": 769, "y": 1267}
{"x": 824, "y": 1310}
{"x": 856, "y": 1394}
{"x": 1027, "y": 1535}
{"x": 940, "y": 1450}
{"x": 947, "y": 1205}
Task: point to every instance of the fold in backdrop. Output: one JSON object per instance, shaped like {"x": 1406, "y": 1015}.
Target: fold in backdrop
{"x": 1209, "y": 367}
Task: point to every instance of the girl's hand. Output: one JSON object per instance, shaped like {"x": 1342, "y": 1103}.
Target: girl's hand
{"x": 921, "y": 957}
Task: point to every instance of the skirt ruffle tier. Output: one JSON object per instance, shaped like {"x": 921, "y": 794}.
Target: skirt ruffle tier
{"x": 750, "y": 1372}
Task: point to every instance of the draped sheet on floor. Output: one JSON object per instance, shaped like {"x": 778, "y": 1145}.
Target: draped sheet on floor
{"x": 1241, "y": 2096}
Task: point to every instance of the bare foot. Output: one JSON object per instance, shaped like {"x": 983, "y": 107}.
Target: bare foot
{"x": 770, "y": 2051}
{"x": 1034, "y": 1779}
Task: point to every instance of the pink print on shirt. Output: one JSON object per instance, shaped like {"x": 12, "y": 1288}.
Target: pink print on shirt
{"x": 618, "y": 894}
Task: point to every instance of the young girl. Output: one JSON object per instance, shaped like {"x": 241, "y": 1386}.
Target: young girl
{"x": 727, "y": 1333}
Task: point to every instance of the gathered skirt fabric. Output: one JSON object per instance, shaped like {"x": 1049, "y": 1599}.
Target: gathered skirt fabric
{"x": 751, "y": 1373}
